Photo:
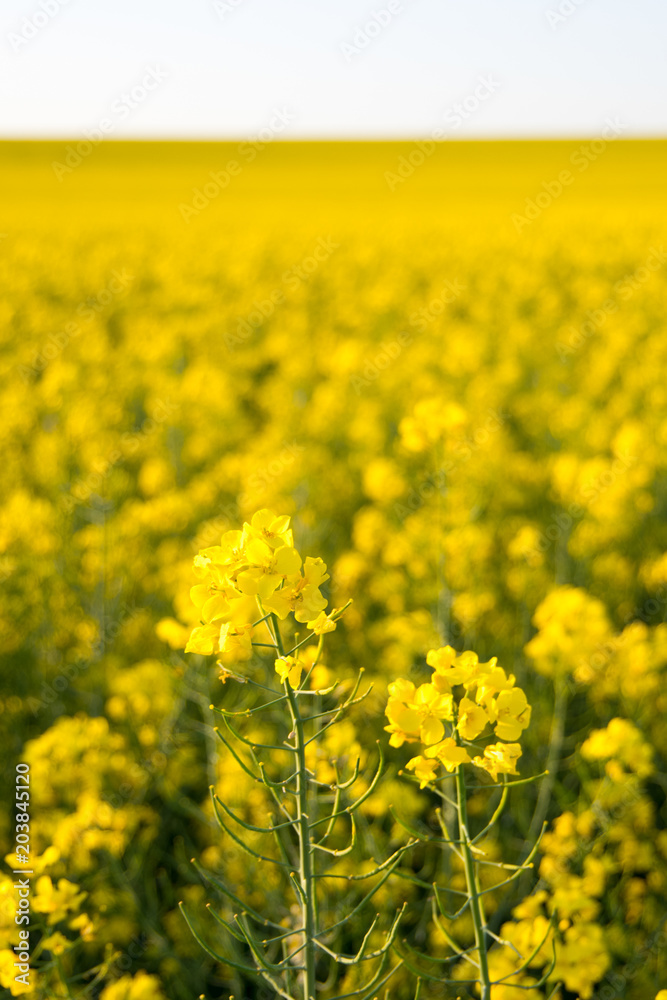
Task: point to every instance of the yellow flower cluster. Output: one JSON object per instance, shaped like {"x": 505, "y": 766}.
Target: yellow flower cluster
{"x": 53, "y": 902}
{"x": 463, "y": 701}
{"x": 139, "y": 987}
{"x": 88, "y": 787}
{"x": 623, "y": 747}
{"x": 575, "y": 941}
{"x": 258, "y": 562}
{"x": 573, "y": 628}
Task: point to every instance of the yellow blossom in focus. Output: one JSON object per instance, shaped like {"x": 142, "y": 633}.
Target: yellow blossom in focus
{"x": 289, "y": 668}
{"x": 432, "y": 708}
{"x": 268, "y": 567}
{"x": 448, "y": 753}
{"x": 404, "y": 719}
{"x": 499, "y": 758}
{"x": 512, "y": 713}
{"x": 301, "y": 594}
{"x": 204, "y": 640}
{"x": 425, "y": 770}
{"x": 322, "y": 624}
{"x": 490, "y": 680}
{"x": 449, "y": 667}
{"x": 236, "y": 642}
{"x": 268, "y": 527}
{"x": 472, "y": 719}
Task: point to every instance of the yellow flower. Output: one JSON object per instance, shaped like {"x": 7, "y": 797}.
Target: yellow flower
{"x": 211, "y": 602}
{"x": 57, "y": 902}
{"x": 404, "y": 719}
{"x": 56, "y": 943}
{"x": 301, "y": 594}
{"x": 8, "y": 974}
{"x": 40, "y": 862}
{"x": 499, "y": 758}
{"x": 490, "y": 680}
{"x": 425, "y": 770}
{"x": 622, "y": 742}
{"x": 432, "y": 707}
{"x": 139, "y": 987}
{"x": 84, "y": 925}
{"x": 204, "y": 639}
{"x": 322, "y": 624}
{"x": 573, "y": 627}
{"x": 269, "y": 528}
{"x": 172, "y": 632}
{"x": 512, "y": 713}
{"x": 449, "y": 753}
{"x": 472, "y": 719}
{"x": 220, "y": 562}
{"x": 441, "y": 659}
{"x": 236, "y": 642}
{"x": 450, "y": 668}
{"x": 268, "y": 567}
{"x": 582, "y": 959}
{"x": 289, "y": 668}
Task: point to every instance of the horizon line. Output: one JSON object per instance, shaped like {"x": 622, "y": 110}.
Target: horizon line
{"x": 293, "y": 140}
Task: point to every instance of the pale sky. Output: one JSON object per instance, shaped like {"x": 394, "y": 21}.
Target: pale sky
{"x": 332, "y": 68}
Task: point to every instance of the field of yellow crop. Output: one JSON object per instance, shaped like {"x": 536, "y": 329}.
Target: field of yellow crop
{"x": 448, "y": 365}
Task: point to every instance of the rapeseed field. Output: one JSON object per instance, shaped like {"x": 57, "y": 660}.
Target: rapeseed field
{"x": 361, "y": 440}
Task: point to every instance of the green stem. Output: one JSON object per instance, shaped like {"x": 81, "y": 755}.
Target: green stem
{"x": 473, "y": 887}
{"x": 306, "y": 874}
{"x": 553, "y": 760}
{"x": 63, "y": 977}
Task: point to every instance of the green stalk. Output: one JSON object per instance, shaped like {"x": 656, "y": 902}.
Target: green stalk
{"x": 306, "y": 874}
{"x": 553, "y": 760}
{"x": 473, "y": 888}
